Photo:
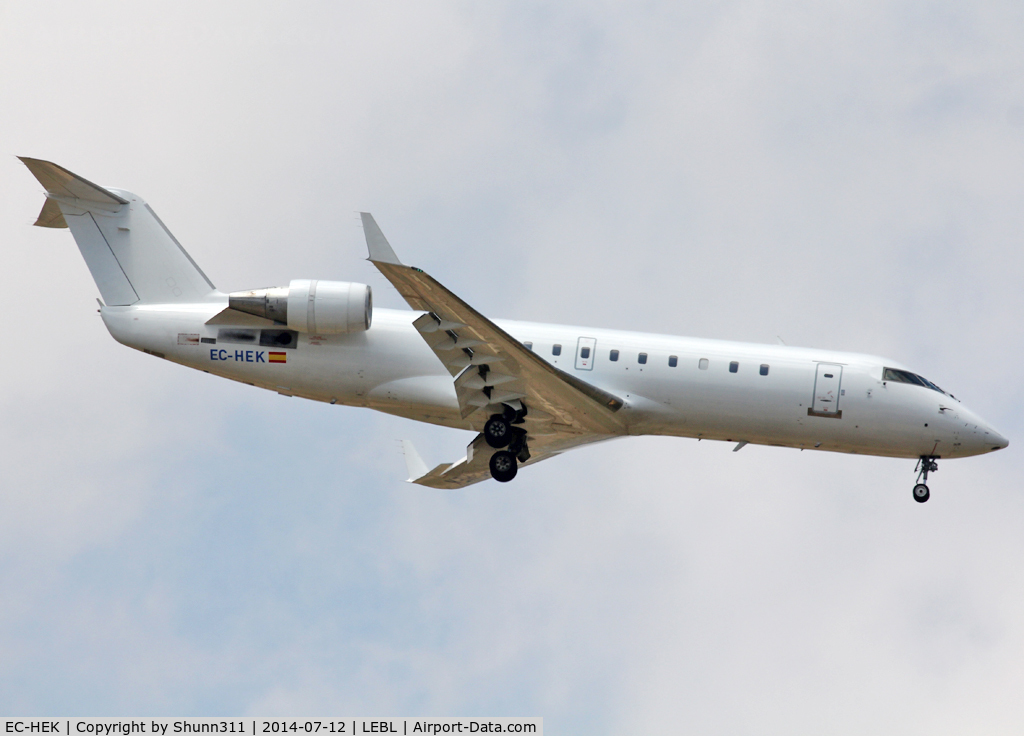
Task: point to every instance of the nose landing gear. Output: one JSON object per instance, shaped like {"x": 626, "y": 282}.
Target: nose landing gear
{"x": 927, "y": 464}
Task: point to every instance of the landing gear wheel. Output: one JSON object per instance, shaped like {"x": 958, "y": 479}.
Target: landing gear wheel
{"x": 498, "y": 431}
{"x": 926, "y": 464}
{"x": 503, "y": 466}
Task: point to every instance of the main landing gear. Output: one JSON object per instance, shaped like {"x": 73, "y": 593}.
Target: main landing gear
{"x": 499, "y": 433}
{"x": 927, "y": 464}
{"x": 503, "y": 466}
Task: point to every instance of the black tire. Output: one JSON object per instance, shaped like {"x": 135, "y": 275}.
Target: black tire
{"x": 921, "y": 493}
{"x": 503, "y": 466}
{"x": 497, "y": 431}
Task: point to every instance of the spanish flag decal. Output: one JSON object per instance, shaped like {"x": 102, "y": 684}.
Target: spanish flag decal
{"x": 278, "y": 357}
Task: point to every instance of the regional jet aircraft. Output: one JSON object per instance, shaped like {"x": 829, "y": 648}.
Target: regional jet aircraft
{"x": 529, "y": 390}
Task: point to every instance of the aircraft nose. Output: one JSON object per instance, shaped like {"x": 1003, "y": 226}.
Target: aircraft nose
{"x": 979, "y": 435}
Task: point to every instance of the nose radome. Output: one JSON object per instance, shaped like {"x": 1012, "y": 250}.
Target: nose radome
{"x": 978, "y": 435}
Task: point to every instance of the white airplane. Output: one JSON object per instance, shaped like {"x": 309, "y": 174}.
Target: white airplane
{"x": 530, "y": 390}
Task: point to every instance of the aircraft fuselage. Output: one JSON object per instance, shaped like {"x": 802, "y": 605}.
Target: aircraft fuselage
{"x": 686, "y": 387}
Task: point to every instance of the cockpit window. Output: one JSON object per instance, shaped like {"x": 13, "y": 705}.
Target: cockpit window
{"x": 895, "y": 374}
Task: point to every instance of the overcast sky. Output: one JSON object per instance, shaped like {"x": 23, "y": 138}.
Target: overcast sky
{"x": 172, "y": 543}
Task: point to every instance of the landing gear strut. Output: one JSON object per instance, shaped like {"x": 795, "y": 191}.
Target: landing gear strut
{"x": 927, "y": 464}
{"x": 518, "y": 445}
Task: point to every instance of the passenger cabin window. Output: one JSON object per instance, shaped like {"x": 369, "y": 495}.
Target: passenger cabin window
{"x": 556, "y": 349}
{"x": 584, "y": 353}
{"x": 673, "y": 361}
{"x": 734, "y": 367}
{"x": 703, "y": 364}
{"x": 528, "y": 345}
{"x": 642, "y": 358}
{"x": 613, "y": 355}
{"x": 895, "y": 374}
{"x": 764, "y": 369}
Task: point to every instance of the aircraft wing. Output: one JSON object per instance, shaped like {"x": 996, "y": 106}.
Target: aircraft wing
{"x": 474, "y": 467}
{"x": 490, "y": 367}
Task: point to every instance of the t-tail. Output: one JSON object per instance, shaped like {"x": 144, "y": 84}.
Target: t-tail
{"x": 131, "y": 254}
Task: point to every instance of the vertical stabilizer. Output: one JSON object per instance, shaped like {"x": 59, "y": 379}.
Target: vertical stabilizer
{"x": 131, "y": 254}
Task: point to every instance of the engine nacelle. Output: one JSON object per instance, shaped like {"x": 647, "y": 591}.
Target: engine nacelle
{"x": 309, "y": 305}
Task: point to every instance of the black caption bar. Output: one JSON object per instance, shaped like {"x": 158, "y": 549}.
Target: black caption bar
{"x": 260, "y": 726}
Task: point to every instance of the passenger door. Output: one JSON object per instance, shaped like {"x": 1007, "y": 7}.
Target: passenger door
{"x": 827, "y": 382}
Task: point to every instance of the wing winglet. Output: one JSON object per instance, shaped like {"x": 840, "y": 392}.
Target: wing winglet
{"x": 469, "y": 470}
{"x": 418, "y": 472}
{"x": 379, "y": 247}
{"x": 413, "y": 462}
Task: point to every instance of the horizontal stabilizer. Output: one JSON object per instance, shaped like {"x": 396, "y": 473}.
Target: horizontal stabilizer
{"x": 60, "y": 182}
{"x": 50, "y": 215}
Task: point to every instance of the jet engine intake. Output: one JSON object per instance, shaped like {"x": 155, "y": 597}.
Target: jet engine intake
{"x": 309, "y": 305}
